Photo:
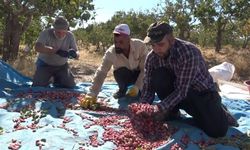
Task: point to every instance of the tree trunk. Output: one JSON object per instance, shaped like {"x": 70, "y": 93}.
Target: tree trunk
{"x": 12, "y": 35}
{"x": 218, "y": 40}
{"x": 221, "y": 24}
{"x": 245, "y": 42}
{"x": 11, "y": 38}
{"x": 181, "y": 34}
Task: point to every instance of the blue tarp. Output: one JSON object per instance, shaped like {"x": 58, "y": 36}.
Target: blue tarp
{"x": 29, "y": 115}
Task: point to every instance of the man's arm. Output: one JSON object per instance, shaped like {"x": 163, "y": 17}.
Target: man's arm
{"x": 41, "y": 48}
{"x": 100, "y": 75}
{"x": 73, "y": 51}
{"x": 73, "y": 44}
{"x": 142, "y": 57}
{"x": 41, "y": 45}
{"x": 148, "y": 94}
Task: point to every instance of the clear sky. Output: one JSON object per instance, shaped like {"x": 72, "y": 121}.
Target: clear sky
{"x": 105, "y": 9}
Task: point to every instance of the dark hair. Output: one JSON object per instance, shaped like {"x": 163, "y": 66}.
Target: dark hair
{"x": 61, "y": 23}
{"x": 157, "y": 31}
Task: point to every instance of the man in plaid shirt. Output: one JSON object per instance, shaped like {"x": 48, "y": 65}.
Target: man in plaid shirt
{"x": 177, "y": 72}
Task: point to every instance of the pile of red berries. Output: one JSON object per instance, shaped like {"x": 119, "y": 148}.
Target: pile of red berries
{"x": 142, "y": 120}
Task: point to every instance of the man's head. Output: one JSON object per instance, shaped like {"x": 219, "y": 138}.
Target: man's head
{"x": 122, "y": 29}
{"x": 121, "y": 38}
{"x": 160, "y": 36}
{"x": 157, "y": 31}
{"x": 61, "y": 26}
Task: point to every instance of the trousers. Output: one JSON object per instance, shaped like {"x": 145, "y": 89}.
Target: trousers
{"x": 61, "y": 75}
{"x": 125, "y": 77}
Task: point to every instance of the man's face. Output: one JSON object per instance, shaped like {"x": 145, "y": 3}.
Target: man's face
{"x": 121, "y": 42}
{"x": 161, "y": 48}
{"x": 60, "y": 33}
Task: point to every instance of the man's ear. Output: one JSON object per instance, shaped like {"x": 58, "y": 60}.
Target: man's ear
{"x": 171, "y": 39}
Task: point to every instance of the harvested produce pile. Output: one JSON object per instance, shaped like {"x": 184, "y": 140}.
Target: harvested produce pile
{"x": 136, "y": 132}
{"x": 142, "y": 120}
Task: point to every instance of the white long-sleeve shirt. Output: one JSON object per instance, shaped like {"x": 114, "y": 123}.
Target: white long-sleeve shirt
{"x": 135, "y": 61}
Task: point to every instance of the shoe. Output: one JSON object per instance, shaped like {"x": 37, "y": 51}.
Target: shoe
{"x": 119, "y": 94}
{"x": 173, "y": 116}
{"x": 231, "y": 120}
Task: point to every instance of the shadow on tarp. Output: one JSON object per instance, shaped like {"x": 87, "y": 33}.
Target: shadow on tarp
{"x": 11, "y": 75}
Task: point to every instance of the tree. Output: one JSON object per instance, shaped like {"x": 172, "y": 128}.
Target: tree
{"x": 18, "y": 15}
{"x": 138, "y": 21}
{"x": 180, "y": 13}
{"x": 100, "y": 34}
{"x": 219, "y": 13}
{"x": 245, "y": 30}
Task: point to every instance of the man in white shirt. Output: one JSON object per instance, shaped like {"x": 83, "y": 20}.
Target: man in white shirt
{"x": 127, "y": 57}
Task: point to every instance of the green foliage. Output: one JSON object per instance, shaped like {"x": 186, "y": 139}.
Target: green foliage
{"x": 222, "y": 16}
{"x": 21, "y": 19}
{"x": 32, "y": 32}
{"x": 180, "y": 13}
{"x": 204, "y": 22}
{"x": 101, "y": 34}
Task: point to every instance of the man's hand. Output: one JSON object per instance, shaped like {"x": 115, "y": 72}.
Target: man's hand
{"x": 62, "y": 53}
{"x": 132, "y": 91}
{"x": 159, "y": 115}
{"x": 88, "y": 101}
{"x": 73, "y": 54}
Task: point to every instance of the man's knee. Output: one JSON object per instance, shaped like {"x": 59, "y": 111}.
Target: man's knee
{"x": 70, "y": 85}
{"x": 217, "y": 130}
{"x": 123, "y": 71}
{"x": 42, "y": 84}
{"x": 125, "y": 77}
{"x": 65, "y": 83}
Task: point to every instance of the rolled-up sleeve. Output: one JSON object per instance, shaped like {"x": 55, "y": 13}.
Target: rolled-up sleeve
{"x": 101, "y": 74}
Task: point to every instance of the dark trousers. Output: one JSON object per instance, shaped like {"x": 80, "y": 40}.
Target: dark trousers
{"x": 205, "y": 107}
{"x": 62, "y": 76}
{"x": 125, "y": 77}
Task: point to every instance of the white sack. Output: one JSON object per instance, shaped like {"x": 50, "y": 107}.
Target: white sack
{"x": 223, "y": 71}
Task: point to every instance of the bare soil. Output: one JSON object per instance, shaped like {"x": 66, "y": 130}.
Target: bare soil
{"x": 84, "y": 69}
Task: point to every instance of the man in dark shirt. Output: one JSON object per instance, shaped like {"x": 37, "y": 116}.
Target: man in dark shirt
{"x": 177, "y": 72}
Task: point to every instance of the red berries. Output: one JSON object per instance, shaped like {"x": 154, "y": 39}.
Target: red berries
{"x": 130, "y": 132}
{"x": 14, "y": 145}
{"x": 133, "y": 130}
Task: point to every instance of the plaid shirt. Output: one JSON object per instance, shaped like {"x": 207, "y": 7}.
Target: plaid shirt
{"x": 189, "y": 67}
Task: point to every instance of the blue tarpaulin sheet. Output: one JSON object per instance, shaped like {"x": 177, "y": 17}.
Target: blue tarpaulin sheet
{"x": 48, "y": 118}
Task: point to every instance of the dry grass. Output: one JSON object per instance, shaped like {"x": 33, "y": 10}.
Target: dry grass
{"x": 25, "y": 64}
{"x": 240, "y": 58}
{"x": 85, "y": 67}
